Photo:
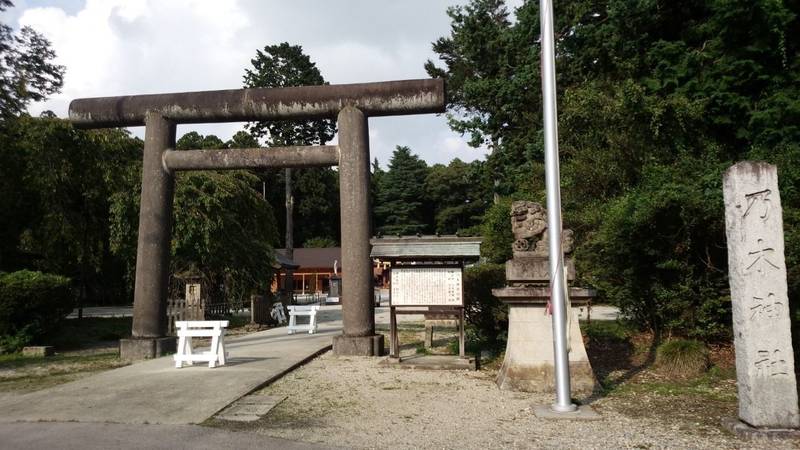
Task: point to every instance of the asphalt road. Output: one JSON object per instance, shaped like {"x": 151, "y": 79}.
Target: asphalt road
{"x": 84, "y": 436}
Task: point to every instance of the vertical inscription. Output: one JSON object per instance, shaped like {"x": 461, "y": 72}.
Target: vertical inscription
{"x": 426, "y": 286}
{"x": 759, "y": 299}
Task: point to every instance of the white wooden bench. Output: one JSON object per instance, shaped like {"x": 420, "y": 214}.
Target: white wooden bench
{"x": 303, "y": 310}
{"x": 215, "y": 329}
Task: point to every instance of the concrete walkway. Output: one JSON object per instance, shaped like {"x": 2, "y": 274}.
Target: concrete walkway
{"x": 155, "y": 392}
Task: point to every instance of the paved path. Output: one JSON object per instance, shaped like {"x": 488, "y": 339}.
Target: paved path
{"x": 155, "y": 391}
{"x": 103, "y": 311}
{"x": 81, "y": 436}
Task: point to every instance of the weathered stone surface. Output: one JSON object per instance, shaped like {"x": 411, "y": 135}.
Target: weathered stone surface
{"x": 529, "y": 226}
{"x": 746, "y": 431}
{"x": 761, "y": 325}
{"x": 38, "y": 350}
{"x": 250, "y": 408}
{"x": 358, "y": 345}
{"x": 431, "y": 362}
{"x": 136, "y": 349}
{"x": 528, "y": 363}
{"x": 525, "y": 267}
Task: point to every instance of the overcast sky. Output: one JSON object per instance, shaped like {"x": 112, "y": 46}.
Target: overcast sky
{"x": 122, "y": 47}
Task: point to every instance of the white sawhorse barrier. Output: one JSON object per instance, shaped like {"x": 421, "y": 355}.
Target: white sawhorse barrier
{"x": 298, "y": 310}
{"x": 215, "y": 329}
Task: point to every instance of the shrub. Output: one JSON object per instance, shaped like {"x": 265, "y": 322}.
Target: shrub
{"x": 484, "y": 311}
{"x": 682, "y": 358}
{"x": 496, "y": 231}
{"x": 31, "y": 304}
{"x": 659, "y": 253}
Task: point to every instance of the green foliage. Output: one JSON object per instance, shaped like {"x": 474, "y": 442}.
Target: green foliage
{"x": 606, "y": 331}
{"x": 196, "y": 141}
{"x": 401, "y": 207}
{"x": 682, "y": 358}
{"x": 459, "y": 193}
{"x": 31, "y": 304}
{"x": 484, "y": 312}
{"x": 27, "y": 71}
{"x": 225, "y": 230}
{"x": 320, "y": 242}
{"x": 85, "y": 332}
{"x": 285, "y": 65}
{"x": 496, "y": 232}
{"x": 658, "y": 252}
{"x": 315, "y": 191}
{"x": 222, "y": 228}
{"x": 54, "y": 201}
{"x": 656, "y": 100}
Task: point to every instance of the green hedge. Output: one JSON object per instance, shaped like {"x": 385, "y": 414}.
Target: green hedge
{"x": 31, "y": 304}
{"x": 484, "y": 312}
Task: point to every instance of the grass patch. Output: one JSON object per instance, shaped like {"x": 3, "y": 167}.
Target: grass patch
{"x": 607, "y": 331}
{"x": 24, "y": 374}
{"x": 422, "y": 350}
{"x": 717, "y": 384}
{"x": 82, "y": 333}
{"x": 682, "y": 358}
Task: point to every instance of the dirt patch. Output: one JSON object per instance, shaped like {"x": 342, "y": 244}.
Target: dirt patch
{"x": 354, "y": 402}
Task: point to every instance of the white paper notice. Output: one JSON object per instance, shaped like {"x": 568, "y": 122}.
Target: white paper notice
{"x": 426, "y": 286}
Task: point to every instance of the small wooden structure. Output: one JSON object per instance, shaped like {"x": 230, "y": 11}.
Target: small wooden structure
{"x": 426, "y": 277}
{"x": 215, "y": 329}
{"x": 309, "y": 311}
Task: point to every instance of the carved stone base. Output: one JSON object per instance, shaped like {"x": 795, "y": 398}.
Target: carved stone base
{"x": 135, "y": 349}
{"x": 746, "y": 431}
{"x": 358, "y": 345}
{"x": 528, "y": 364}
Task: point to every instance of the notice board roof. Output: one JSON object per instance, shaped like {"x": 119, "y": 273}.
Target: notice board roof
{"x": 428, "y": 248}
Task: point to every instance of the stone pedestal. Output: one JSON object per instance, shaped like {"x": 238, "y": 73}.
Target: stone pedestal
{"x": 135, "y": 349}
{"x": 529, "y": 266}
{"x": 528, "y": 364}
{"x": 358, "y": 345}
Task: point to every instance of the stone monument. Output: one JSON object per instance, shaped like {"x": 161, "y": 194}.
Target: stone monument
{"x": 761, "y": 325}
{"x": 528, "y": 364}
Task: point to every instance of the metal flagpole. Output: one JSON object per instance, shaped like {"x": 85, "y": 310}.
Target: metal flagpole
{"x": 553, "y": 183}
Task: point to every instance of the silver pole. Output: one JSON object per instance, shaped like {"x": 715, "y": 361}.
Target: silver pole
{"x": 552, "y": 179}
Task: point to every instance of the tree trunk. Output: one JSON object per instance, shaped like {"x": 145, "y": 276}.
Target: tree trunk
{"x": 289, "y": 230}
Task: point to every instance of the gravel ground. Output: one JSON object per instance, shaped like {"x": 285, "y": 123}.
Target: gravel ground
{"x": 353, "y": 402}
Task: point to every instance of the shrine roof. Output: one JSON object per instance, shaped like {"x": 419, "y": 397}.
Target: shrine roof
{"x": 429, "y": 248}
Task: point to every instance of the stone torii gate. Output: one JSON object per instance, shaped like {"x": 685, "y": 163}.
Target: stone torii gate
{"x": 350, "y": 104}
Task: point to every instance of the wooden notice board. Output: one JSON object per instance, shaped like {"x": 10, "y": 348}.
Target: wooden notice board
{"x": 427, "y": 286}
{"x": 436, "y": 290}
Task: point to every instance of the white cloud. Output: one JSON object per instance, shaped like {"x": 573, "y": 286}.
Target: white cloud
{"x": 123, "y": 47}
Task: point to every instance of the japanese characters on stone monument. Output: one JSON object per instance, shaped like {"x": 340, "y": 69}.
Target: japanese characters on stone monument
{"x": 761, "y": 325}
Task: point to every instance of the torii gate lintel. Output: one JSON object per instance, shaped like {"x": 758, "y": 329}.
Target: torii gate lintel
{"x": 350, "y": 104}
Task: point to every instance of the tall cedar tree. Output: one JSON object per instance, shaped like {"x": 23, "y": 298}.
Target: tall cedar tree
{"x": 315, "y": 191}
{"x": 402, "y": 206}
